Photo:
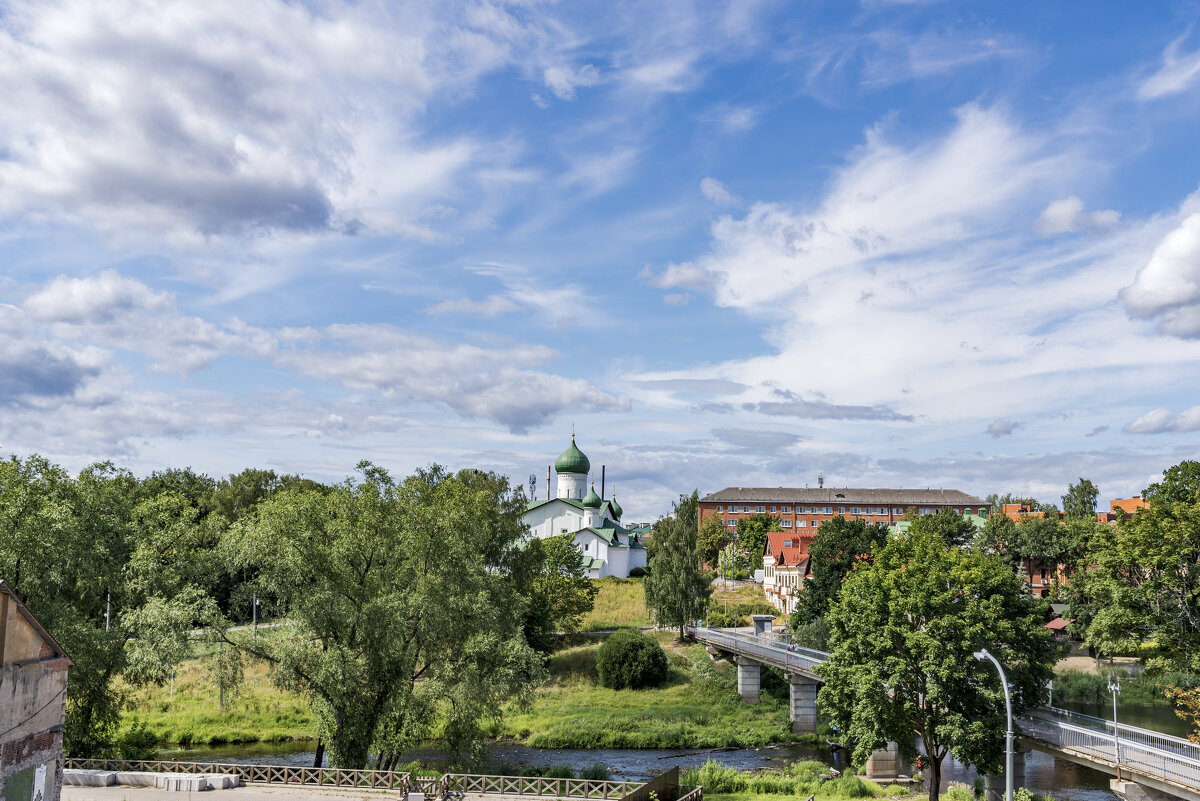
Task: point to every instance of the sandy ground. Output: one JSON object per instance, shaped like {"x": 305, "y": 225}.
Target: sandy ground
{"x": 1088, "y": 665}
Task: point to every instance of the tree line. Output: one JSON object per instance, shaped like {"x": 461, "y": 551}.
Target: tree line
{"x": 405, "y": 608}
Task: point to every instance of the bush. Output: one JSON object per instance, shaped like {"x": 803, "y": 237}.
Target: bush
{"x": 597, "y": 772}
{"x": 719, "y": 618}
{"x": 756, "y": 607}
{"x": 631, "y": 659}
{"x": 850, "y": 786}
{"x": 958, "y": 791}
{"x": 638, "y": 572}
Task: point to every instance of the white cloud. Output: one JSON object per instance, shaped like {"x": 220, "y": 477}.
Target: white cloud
{"x": 563, "y": 81}
{"x": 1179, "y": 71}
{"x": 199, "y": 120}
{"x": 1168, "y": 286}
{"x": 677, "y": 298}
{"x": 715, "y": 191}
{"x": 1067, "y": 214}
{"x": 99, "y": 298}
{"x": 1158, "y": 421}
{"x": 490, "y": 306}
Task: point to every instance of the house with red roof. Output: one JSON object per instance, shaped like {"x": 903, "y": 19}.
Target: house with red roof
{"x": 785, "y": 568}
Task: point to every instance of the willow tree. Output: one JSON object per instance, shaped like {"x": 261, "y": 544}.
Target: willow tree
{"x": 397, "y": 605}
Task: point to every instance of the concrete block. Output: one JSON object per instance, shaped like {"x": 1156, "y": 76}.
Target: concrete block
{"x": 414, "y": 797}
{"x": 184, "y": 783}
{"x": 223, "y": 781}
{"x": 138, "y": 778}
{"x": 89, "y": 778}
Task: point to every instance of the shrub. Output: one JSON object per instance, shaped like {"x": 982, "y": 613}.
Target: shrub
{"x": 597, "y": 772}
{"x": 755, "y": 607}
{"x": 958, "y": 791}
{"x": 812, "y": 635}
{"x": 631, "y": 659}
{"x": 638, "y": 572}
{"x": 718, "y": 617}
{"x": 850, "y": 786}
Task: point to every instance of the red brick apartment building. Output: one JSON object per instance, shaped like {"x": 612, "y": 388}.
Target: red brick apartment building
{"x": 804, "y": 510}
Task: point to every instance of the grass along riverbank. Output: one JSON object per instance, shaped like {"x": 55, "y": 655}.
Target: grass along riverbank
{"x": 698, "y": 706}
{"x": 620, "y": 602}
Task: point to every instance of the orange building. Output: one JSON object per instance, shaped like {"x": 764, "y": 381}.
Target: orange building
{"x": 804, "y": 510}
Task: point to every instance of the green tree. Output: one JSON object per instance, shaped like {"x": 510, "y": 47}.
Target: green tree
{"x": 954, "y": 529}
{"x": 903, "y": 632}
{"x": 1145, "y": 584}
{"x": 77, "y": 554}
{"x": 997, "y": 502}
{"x": 1080, "y": 500}
{"x": 752, "y": 535}
{"x": 711, "y": 538}
{"x": 399, "y": 603}
{"x": 676, "y": 591}
{"x": 839, "y": 546}
{"x": 558, "y": 593}
{"x": 1180, "y": 484}
{"x": 1000, "y": 536}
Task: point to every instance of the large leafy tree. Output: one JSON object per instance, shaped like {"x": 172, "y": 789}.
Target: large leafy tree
{"x": 752, "y": 535}
{"x": 113, "y": 578}
{"x": 1180, "y": 484}
{"x": 954, "y": 529}
{"x": 676, "y": 590}
{"x": 838, "y": 547}
{"x": 550, "y": 575}
{"x": 903, "y": 632}
{"x": 1080, "y": 500}
{"x": 399, "y": 603}
{"x": 711, "y": 538}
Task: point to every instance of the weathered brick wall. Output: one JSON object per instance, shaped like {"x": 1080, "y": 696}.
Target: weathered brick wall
{"x": 44, "y": 748}
{"x": 32, "y": 712}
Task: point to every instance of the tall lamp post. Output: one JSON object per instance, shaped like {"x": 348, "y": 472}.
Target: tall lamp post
{"x": 1114, "y": 686}
{"x": 981, "y": 655}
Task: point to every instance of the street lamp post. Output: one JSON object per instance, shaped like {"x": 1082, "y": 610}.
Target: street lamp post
{"x": 981, "y": 655}
{"x": 1114, "y": 686}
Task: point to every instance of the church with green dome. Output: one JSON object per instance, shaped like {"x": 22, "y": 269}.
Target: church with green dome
{"x": 594, "y": 522}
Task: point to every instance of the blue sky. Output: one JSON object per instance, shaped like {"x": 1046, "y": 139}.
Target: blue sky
{"x": 896, "y": 243}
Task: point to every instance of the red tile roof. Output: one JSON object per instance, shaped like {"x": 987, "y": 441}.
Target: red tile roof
{"x": 788, "y": 549}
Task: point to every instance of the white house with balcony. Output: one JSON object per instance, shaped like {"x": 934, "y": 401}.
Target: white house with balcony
{"x": 608, "y": 548}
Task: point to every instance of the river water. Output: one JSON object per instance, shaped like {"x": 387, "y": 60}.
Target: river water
{"x": 1043, "y": 773}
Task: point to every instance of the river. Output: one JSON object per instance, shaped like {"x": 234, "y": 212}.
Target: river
{"x": 1043, "y": 773}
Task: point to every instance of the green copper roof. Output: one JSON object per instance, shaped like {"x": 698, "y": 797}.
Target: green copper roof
{"x": 572, "y": 460}
{"x": 569, "y": 501}
{"x": 616, "y": 507}
{"x": 591, "y": 500}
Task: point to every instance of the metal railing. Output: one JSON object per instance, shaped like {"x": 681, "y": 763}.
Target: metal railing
{"x": 259, "y": 774}
{"x": 767, "y": 649}
{"x": 1147, "y": 753}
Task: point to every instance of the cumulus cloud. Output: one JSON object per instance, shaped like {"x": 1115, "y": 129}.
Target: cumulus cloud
{"x": 204, "y": 119}
{"x": 1158, "y": 421}
{"x": 1178, "y": 72}
{"x": 563, "y": 80}
{"x": 95, "y": 299}
{"x": 677, "y": 298}
{"x": 1067, "y": 215}
{"x": 1002, "y": 428}
{"x": 715, "y": 191}
{"x": 30, "y": 372}
{"x": 1168, "y": 286}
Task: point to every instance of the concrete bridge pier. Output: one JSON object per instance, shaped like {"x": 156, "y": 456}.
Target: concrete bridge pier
{"x": 993, "y": 785}
{"x": 885, "y": 764}
{"x": 802, "y": 703}
{"x": 749, "y": 679}
{"x": 1132, "y": 791}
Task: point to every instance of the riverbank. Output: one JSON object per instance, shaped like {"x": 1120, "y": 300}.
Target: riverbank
{"x": 698, "y": 707}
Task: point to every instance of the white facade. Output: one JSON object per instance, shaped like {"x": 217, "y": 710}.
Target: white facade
{"x": 608, "y": 548}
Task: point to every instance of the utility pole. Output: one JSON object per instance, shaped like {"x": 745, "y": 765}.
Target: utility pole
{"x": 254, "y": 619}
{"x": 107, "y": 607}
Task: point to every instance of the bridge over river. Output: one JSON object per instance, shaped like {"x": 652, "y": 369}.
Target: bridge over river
{"x": 1146, "y": 763}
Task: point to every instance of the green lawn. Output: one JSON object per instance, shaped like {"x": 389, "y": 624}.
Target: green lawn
{"x": 698, "y": 707}
{"x": 258, "y": 712}
{"x": 620, "y": 602}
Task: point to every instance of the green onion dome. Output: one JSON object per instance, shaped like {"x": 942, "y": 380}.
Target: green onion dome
{"x": 572, "y": 460}
{"x": 616, "y": 507}
{"x": 591, "y": 500}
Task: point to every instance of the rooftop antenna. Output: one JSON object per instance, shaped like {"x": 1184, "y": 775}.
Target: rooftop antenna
{"x": 820, "y": 480}
{"x": 533, "y": 486}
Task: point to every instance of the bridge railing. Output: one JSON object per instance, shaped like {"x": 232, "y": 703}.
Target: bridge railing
{"x": 766, "y": 649}
{"x": 1168, "y": 760}
{"x": 1148, "y": 737}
